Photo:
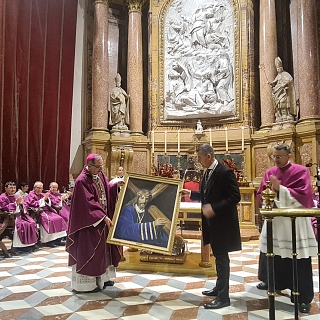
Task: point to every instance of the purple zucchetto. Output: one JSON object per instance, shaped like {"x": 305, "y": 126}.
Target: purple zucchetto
{"x": 91, "y": 156}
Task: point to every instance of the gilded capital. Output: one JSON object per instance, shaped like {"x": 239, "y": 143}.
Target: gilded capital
{"x": 135, "y": 5}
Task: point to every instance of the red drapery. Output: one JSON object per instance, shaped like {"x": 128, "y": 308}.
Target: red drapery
{"x": 36, "y": 81}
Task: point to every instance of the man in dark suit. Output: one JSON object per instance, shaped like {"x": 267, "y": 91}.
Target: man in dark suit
{"x": 219, "y": 195}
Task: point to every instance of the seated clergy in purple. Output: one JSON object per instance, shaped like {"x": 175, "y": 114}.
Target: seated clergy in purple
{"x": 25, "y": 231}
{"x": 52, "y": 226}
{"x": 57, "y": 201}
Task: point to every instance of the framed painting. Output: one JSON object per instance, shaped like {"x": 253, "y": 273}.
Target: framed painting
{"x": 146, "y": 213}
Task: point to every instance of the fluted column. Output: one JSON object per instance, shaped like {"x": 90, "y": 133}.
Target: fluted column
{"x": 135, "y": 71}
{"x": 308, "y": 57}
{"x": 100, "y": 67}
{"x": 268, "y": 52}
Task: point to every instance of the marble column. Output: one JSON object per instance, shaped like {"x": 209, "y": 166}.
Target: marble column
{"x": 268, "y": 53}
{"x": 135, "y": 71}
{"x": 294, "y": 39}
{"x": 308, "y": 57}
{"x": 96, "y": 139}
{"x": 100, "y": 67}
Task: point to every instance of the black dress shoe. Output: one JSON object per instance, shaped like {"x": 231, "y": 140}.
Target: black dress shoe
{"x": 262, "y": 286}
{"x": 97, "y": 289}
{"x": 304, "y": 307}
{"x": 108, "y": 284}
{"x": 211, "y": 293}
{"x": 50, "y": 244}
{"x": 217, "y": 304}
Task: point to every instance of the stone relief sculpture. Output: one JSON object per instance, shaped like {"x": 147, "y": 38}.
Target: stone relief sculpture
{"x": 199, "y": 59}
{"x": 119, "y": 107}
{"x": 283, "y": 94}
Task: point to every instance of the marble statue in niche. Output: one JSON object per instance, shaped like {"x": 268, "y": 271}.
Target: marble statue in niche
{"x": 283, "y": 94}
{"x": 119, "y": 107}
{"x": 199, "y": 59}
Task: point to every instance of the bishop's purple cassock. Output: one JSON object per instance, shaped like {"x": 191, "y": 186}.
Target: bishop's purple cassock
{"x": 89, "y": 254}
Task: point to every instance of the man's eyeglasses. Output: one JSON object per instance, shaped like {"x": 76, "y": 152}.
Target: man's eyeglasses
{"x": 98, "y": 167}
{"x": 277, "y": 157}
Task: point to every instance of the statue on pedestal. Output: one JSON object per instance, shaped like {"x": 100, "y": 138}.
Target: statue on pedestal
{"x": 199, "y": 127}
{"x": 119, "y": 107}
{"x": 283, "y": 94}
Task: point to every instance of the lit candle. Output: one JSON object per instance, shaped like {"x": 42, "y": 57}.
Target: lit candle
{"x": 165, "y": 142}
{"x": 242, "y": 138}
{"x": 226, "y": 130}
{"x": 178, "y": 141}
{"x": 152, "y": 141}
{"x": 210, "y": 137}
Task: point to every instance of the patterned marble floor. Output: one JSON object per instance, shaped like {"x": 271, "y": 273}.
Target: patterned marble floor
{"x": 37, "y": 286}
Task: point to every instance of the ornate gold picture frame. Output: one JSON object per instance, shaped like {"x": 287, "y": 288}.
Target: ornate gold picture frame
{"x": 146, "y": 213}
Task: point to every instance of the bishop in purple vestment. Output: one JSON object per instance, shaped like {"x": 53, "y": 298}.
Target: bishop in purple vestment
{"x": 92, "y": 208}
{"x": 25, "y": 231}
{"x": 291, "y": 182}
{"x": 52, "y": 226}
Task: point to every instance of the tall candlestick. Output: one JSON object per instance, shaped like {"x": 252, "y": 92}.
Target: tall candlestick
{"x": 152, "y": 141}
{"x": 242, "y": 138}
{"x": 165, "y": 142}
{"x": 226, "y": 130}
{"x": 178, "y": 141}
{"x": 210, "y": 137}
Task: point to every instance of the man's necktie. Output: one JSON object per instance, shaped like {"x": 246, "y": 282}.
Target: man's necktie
{"x": 207, "y": 176}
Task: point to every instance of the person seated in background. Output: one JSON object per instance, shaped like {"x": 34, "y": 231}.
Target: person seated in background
{"x": 25, "y": 234}
{"x": 56, "y": 197}
{"x": 65, "y": 210}
{"x": 57, "y": 201}
{"x": 52, "y": 225}
{"x": 23, "y": 191}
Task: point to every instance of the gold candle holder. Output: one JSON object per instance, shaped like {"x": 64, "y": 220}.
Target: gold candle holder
{"x": 243, "y": 181}
{"x": 179, "y": 164}
{"x": 268, "y": 195}
{"x": 154, "y": 170}
{"x": 152, "y": 156}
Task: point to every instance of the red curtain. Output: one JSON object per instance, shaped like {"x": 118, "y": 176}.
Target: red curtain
{"x": 36, "y": 81}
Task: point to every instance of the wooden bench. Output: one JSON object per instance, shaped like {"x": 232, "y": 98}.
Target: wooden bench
{"x": 6, "y": 229}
